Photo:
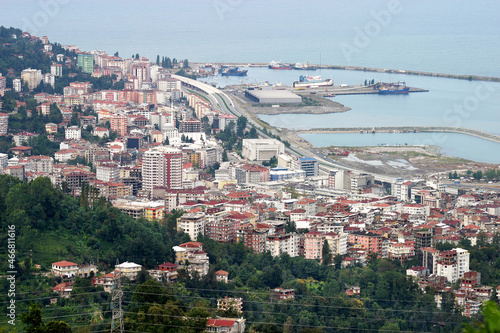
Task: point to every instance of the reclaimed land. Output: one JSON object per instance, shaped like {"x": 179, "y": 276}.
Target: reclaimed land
{"x": 407, "y": 129}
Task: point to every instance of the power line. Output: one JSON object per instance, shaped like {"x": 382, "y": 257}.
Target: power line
{"x": 290, "y": 304}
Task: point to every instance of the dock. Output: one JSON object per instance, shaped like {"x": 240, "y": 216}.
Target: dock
{"x": 351, "y": 90}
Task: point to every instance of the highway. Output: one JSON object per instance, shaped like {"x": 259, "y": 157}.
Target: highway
{"x": 221, "y": 101}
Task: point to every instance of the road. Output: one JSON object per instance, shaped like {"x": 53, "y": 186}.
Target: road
{"x": 221, "y": 101}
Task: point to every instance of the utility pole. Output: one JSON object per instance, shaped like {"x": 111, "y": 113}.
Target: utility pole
{"x": 116, "y": 302}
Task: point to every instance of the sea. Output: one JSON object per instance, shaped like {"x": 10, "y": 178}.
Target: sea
{"x": 447, "y": 36}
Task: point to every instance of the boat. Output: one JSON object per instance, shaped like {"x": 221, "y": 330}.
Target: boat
{"x": 312, "y": 82}
{"x": 306, "y": 66}
{"x": 278, "y": 65}
{"x": 233, "y": 71}
{"x": 392, "y": 88}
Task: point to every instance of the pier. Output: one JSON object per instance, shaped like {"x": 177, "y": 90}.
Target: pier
{"x": 406, "y": 129}
{"x": 350, "y": 90}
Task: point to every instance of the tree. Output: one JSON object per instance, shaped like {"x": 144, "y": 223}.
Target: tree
{"x": 477, "y": 175}
{"x": 491, "y": 320}
{"x": 185, "y": 63}
{"x": 326, "y": 253}
{"x": 273, "y": 162}
{"x": 224, "y": 156}
{"x": 241, "y": 125}
{"x": 158, "y": 60}
{"x": 33, "y": 319}
{"x": 116, "y": 54}
{"x": 55, "y": 326}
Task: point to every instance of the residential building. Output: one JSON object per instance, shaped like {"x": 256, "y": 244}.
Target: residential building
{"x": 221, "y": 276}
{"x": 17, "y": 85}
{"x": 106, "y": 281}
{"x": 277, "y": 244}
{"x": 192, "y": 224}
{"x": 226, "y": 325}
{"x": 64, "y": 269}
{"x": 313, "y": 245}
{"x": 119, "y": 124}
{"x": 221, "y": 230}
{"x": 56, "y": 69}
{"x": 337, "y": 242}
{"x": 32, "y": 77}
{"x": 108, "y": 172}
{"x": 86, "y": 62}
{"x": 230, "y": 303}
{"x": 129, "y": 270}
{"x": 73, "y": 133}
{"x": 190, "y": 126}
{"x": 453, "y": 264}
{"x": 4, "y": 123}
{"x": 162, "y": 168}
{"x": 64, "y": 289}
{"x": 192, "y": 255}
{"x": 283, "y": 294}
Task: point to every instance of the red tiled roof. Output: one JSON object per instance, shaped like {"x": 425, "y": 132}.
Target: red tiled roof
{"x": 64, "y": 263}
{"x": 220, "y": 323}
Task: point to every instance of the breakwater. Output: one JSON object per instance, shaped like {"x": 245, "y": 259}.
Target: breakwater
{"x": 407, "y": 129}
{"x": 392, "y": 71}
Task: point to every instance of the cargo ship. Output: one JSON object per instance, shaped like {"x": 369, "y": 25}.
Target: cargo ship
{"x": 278, "y": 65}
{"x": 312, "y": 82}
{"x": 392, "y": 88}
{"x": 233, "y": 71}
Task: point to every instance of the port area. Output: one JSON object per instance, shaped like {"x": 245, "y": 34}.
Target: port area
{"x": 315, "y": 100}
{"x": 311, "y": 103}
{"x": 348, "y": 90}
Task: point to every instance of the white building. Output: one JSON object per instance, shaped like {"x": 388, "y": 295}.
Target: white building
{"x": 129, "y": 269}
{"x": 4, "y": 160}
{"x": 56, "y": 69}
{"x": 262, "y": 149}
{"x": 49, "y": 79}
{"x": 337, "y": 242}
{"x": 4, "y": 123}
{"x": 453, "y": 264}
{"x": 192, "y": 224}
{"x": 64, "y": 268}
{"x": 169, "y": 84}
{"x": 108, "y": 172}
{"x": 283, "y": 243}
{"x": 73, "y": 133}
{"x": 17, "y": 85}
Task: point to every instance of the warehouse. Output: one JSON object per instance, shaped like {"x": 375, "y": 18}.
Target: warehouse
{"x": 273, "y": 96}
